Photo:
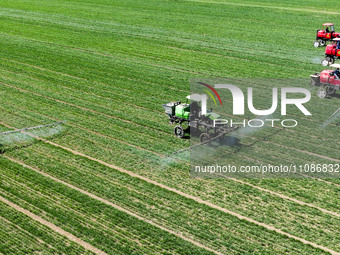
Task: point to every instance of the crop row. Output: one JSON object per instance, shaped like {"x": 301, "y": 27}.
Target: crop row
{"x": 77, "y": 208}
{"x": 128, "y": 156}
{"x": 284, "y": 212}
{"x": 327, "y": 150}
{"x": 101, "y": 225}
{"x": 133, "y": 158}
{"x": 156, "y": 43}
{"x": 301, "y": 144}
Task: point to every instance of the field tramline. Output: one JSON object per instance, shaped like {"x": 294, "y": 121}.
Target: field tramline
{"x": 102, "y": 183}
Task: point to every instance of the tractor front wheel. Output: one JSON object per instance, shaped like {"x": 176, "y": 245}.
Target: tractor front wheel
{"x": 326, "y": 61}
{"x": 323, "y": 43}
{"x": 316, "y": 44}
{"x": 322, "y": 93}
{"x": 204, "y": 137}
{"x": 179, "y": 131}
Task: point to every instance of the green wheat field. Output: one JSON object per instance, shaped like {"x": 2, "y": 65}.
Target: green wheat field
{"x": 101, "y": 183}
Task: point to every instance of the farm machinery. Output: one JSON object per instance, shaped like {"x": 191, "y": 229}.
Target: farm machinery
{"x": 325, "y": 34}
{"x": 189, "y": 120}
{"x": 332, "y": 52}
{"x": 327, "y": 81}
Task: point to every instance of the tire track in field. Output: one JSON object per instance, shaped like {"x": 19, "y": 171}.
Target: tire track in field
{"x": 84, "y": 92}
{"x": 155, "y": 111}
{"x": 299, "y": 150}
{"x": 38, "y": 171}
{"x": 307, "y": 176}
{"x": 322, "y": 180}
{"x": 236, "y": 180}
{"x": 93, "y": 111}
{"x": 265, "y": 6}
{"x": 330, "y": 183}
{"x": 75, "y": 77}
{"x": 150, "y": 57}
{"x": 286, "y": 197}
{"x": 103, "y": 225}
{"x": 93, "y": 132}
{"x": 232, "y": 57}
{"x": 177, "y": 69}
{"x": 233, "y": 179}
{"x": 123, "y": 58}
{"x": 158, "y": 58}
{"x": 26, "y": 232}
{"x": 55, "y": 228}
{"x": 158, "y": 154}
{"x": 112, "y": 205}
{"x": 304, "y": 151}
{"x": 83, "y": 108}
{"x": 181, "y": 38}
{"x": 197, "y": 199}
{"x": 84, "y": 79}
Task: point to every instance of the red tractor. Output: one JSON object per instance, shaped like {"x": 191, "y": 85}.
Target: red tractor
{"x": 328, "y": 81}
{"x": 332, "y": 52}
{"x": 325, "y": 34}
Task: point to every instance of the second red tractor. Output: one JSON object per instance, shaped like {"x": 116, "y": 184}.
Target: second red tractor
{"x": 332, "y": 52}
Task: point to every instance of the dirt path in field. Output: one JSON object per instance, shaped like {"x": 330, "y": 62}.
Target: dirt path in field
{"x": 237, "y": 180}
{"x": 26, "y": 232}
{"x": 133, "y": 123}
{"x": 199, "y": 200}
{"x": 148, "y": 57}
{"x": 75, "y": 77}
{"x": 304, "y": 151}
{"x": 97, "y": 133}
{"x": 233, "y": 179}
{"x": 114, "y": 206}
{"x": 322, "y": 180}
{"x": 266, "y": 7}
{"x": 55, "y": 228}
{"x": 331, "y": 183}
{"x": 84, "y": 79}
{"x": 286, "y": 197}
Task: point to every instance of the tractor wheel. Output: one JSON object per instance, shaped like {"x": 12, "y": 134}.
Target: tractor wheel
{"x": 179, "y": 131}
{"x": 331, "y": 61}
{"x": 322, "y": 93}
{"x": 325, "y": 62}
{"x": 316, "y": 44}
{"x": 323, "y": 43}
{"x": 330, "y": 90}
{"x": 204, "y": 137}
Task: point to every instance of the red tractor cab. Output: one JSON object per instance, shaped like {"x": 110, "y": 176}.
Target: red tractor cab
{"x": 332, "y": 52}
{"x": 328, "y": 81}
{"x": 325, "y": 34}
